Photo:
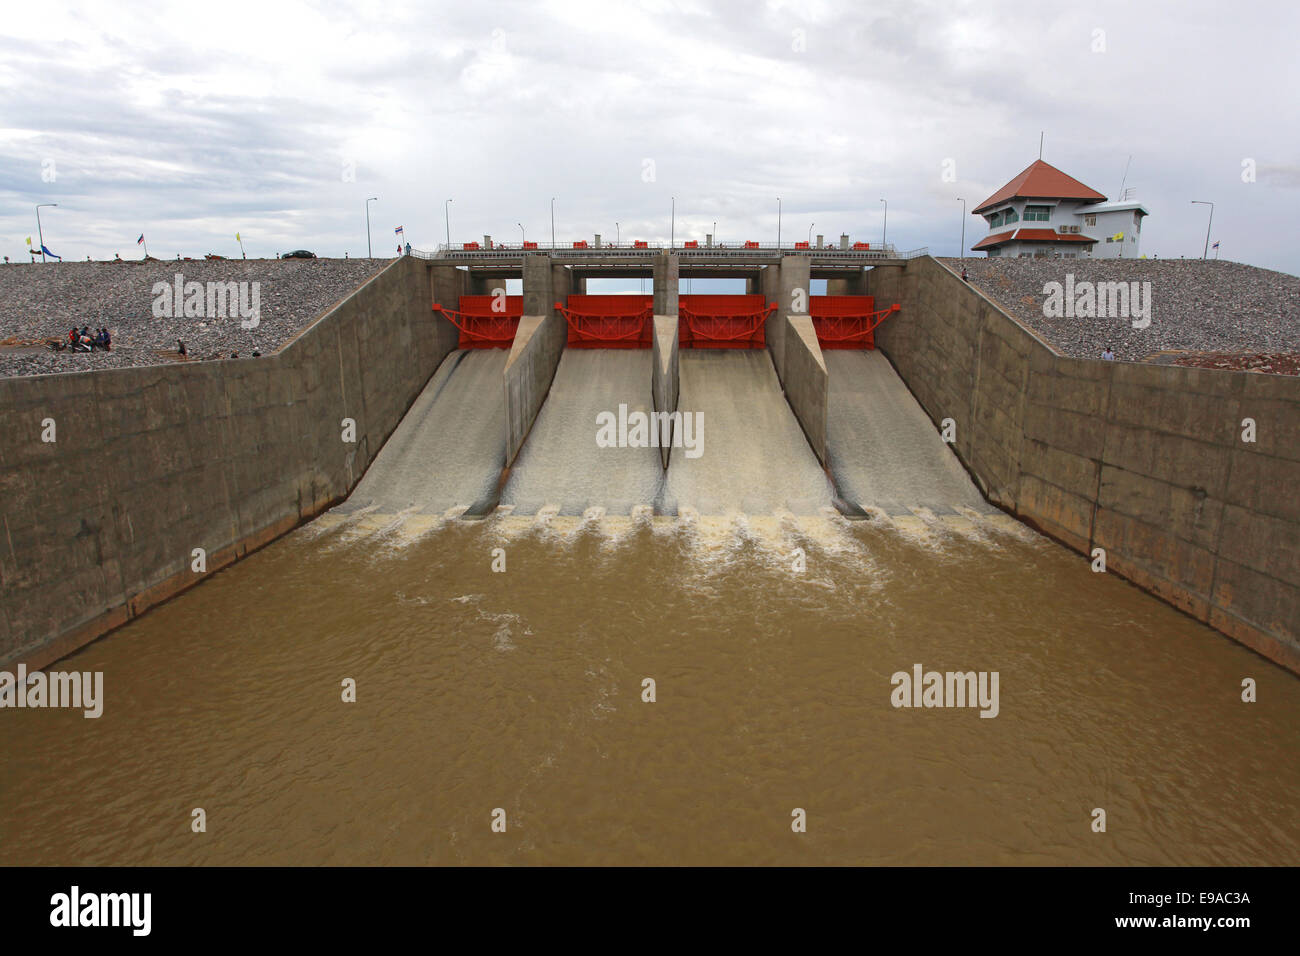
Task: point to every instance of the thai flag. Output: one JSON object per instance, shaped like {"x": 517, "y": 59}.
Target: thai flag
{"x": 398, "y": 231}
{"x": 140, "y": 241}
{"x": 1215, "y": 246}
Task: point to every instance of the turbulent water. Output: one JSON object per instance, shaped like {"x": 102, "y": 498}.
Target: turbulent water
{"x": 522, "y": 690}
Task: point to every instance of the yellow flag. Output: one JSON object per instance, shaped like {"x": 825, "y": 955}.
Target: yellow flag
{"x": 237, "y": 239}
{"x": 1118, "y": 237}
{"x": 29, "y": 240}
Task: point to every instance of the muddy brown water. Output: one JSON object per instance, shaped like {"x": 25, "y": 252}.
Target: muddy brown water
{"x": 522, "y": 691}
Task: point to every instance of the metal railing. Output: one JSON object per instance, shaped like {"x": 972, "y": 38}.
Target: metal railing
{"x": 513, "y": 252}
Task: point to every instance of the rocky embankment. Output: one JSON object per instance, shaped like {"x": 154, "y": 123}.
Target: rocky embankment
{"x": 1218, "y": 314}
{"x": 43, "y": 301}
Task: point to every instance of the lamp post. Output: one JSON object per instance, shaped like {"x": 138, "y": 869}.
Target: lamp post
{"x": 446, "y": 215}
{"x": 778, "y": 222}
{"x": 963, "y": 227}
{"x": 369, "y": 252}
{"x": 884, "y": 229}
{"x": 810, "y": 229}
{"x": 715, "y": 231}
{"x": 523, "y": 237}
{"x": 617, "y": 236}
{"x": 40, "y": 235}
{"x": 672, "y": 225}
{"x": 1202, "y": 202}
{"x": 552, "y": 222}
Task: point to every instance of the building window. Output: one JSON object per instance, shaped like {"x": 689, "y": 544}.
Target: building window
{"x": 1011, "y": 217}
{"x": 1038, "y": 213}
{"x": 1090, "y": 220}
{"x": 995, "y": 220}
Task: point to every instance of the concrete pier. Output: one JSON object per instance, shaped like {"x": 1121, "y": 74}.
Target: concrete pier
{"x": 806, "y": 381}
{"x": 665, "y": 377}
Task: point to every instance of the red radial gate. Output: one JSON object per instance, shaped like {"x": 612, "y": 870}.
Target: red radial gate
{"x": 609, "y": 321}
{"x": 847, "y": 321}
{"x": 722, "y": 321}
{"x": 485, "y": 321}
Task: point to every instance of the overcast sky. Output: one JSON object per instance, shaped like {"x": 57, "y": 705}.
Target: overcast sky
{"x": 191, "y": 122}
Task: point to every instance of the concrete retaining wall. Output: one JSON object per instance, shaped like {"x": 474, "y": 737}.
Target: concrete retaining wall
{"x": 1144, "y": 461}
{"x": 151, "y": 463}
{"x": 665, "y": 376}
{"x": 806, "y": 383}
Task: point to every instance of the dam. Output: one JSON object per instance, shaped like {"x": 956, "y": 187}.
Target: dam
{"x": 410, "y": 496}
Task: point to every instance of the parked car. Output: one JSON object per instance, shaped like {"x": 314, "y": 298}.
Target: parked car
{"x": 299, "y": 254}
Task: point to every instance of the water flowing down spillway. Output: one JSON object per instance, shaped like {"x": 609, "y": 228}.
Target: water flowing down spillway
{"x": 561, "y": 466}
{"x": 449, "y": 449}
{"x": 883, "y": 450}
{"x": 755, "y": 458}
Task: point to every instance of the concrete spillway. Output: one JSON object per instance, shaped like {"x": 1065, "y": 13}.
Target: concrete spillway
{"x": 561, "y": 464}
{"x": 755, "y": 458}
{"x": 884, "y": 451}
{"x": 449, "y": 449}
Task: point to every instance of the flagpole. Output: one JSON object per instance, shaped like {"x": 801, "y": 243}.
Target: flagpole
{"x": 146, "y": 246}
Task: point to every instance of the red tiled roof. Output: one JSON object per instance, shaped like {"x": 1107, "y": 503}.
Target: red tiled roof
{"x": 994, "y": 240}
{"x": 1048, "y": 235}
{"x": 1027, "y": 235}
{"x": 1041, "y": 181}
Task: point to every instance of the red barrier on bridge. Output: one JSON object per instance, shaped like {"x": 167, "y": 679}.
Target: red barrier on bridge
{"x": 481, "y": 327}
{"x": 722, "y": 321}
{"x": 847, "y": 321}
{"x": 609, "y": 321}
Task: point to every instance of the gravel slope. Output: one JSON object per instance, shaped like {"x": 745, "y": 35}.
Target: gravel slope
{"x": 1196, "y": 306}
{"x": 39, "y": 302}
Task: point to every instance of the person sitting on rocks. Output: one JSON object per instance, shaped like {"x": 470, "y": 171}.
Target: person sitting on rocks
{"x": 180, "y": 347}
{"x": 108, "y": 340}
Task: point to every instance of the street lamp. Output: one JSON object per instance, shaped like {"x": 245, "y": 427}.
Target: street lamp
{"x": 963, "y": 227}
{"x": 369, "y": 251}
{"x": 552, "y": 222}
{"x": 617, "y": 236}
{"x": 1202, "y": 202}
{"x": 446, "y": 215}
{"x": 672, "y": 225}
{"x": 778, "y": 222}
{"x": 523, "y": 237}
{"x": 884, "y": 229}
{"x": 810, "y": 228}
{"x": 40, "y": 235}
{"x": 715, "y": 231}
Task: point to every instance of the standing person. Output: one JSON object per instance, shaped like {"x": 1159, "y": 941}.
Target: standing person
{"x": 965, "y": 276}
{"x": 1107, "y": 355}
{"x": 408, "y": 248}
